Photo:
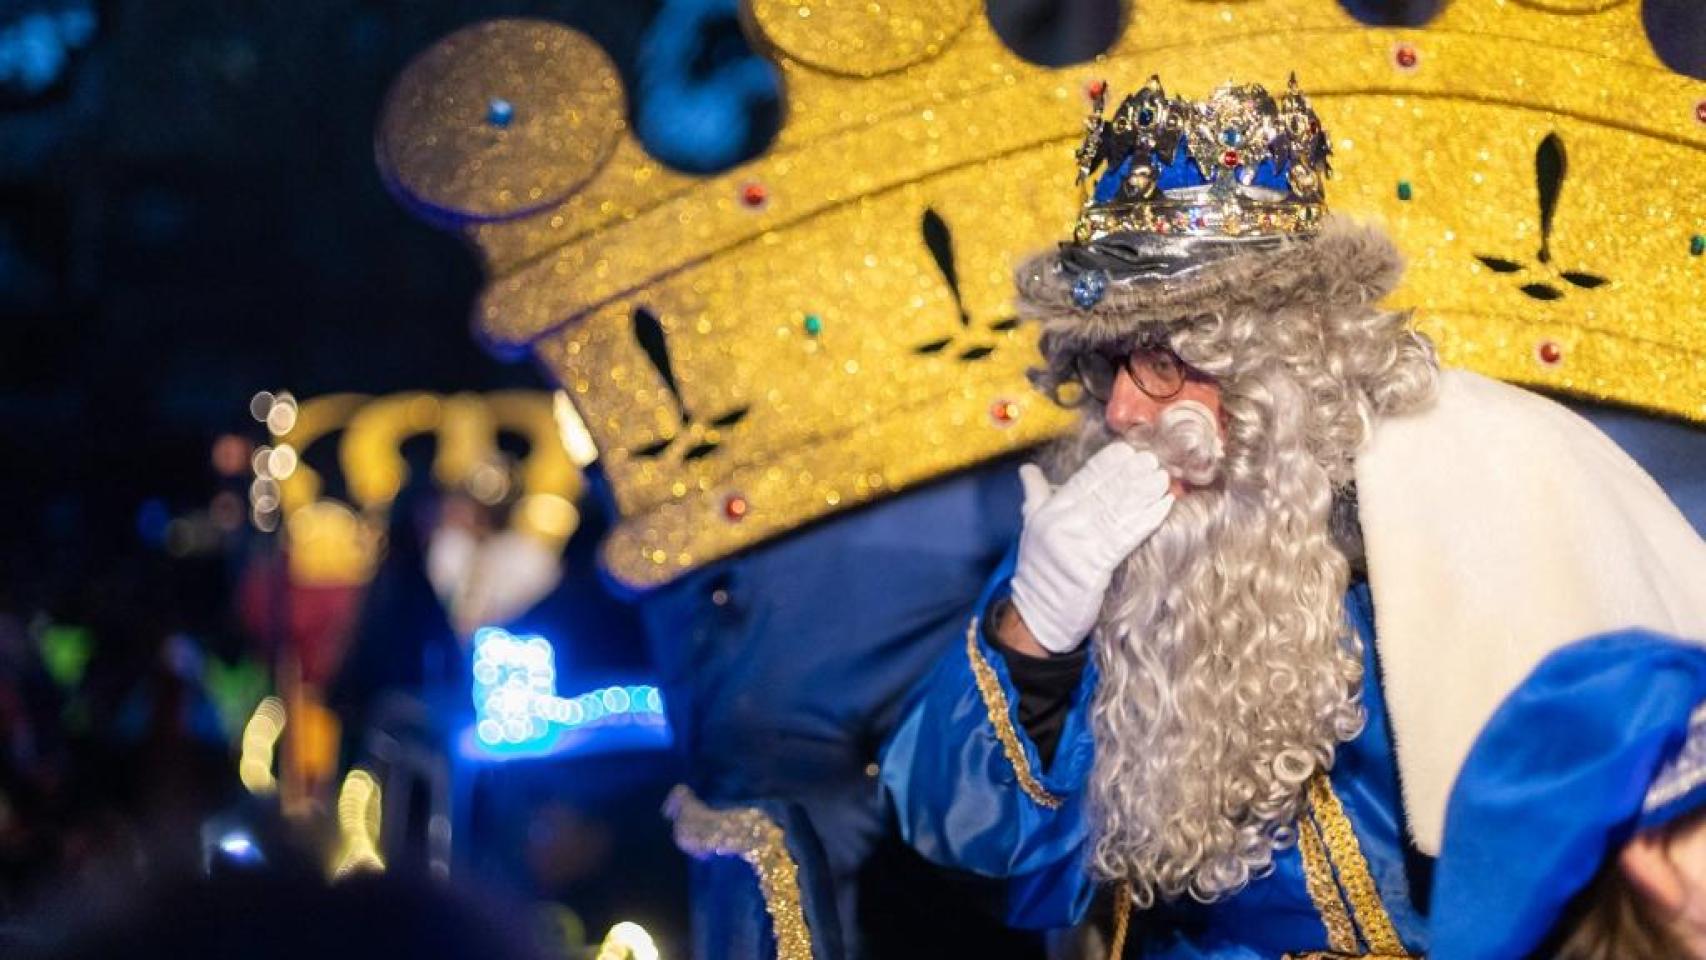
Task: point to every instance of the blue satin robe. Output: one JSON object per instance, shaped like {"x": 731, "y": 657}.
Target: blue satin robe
{"x": 959, "y": 803}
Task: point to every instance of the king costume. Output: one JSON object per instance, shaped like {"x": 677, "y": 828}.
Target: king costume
{"x": 1449, "y": 531}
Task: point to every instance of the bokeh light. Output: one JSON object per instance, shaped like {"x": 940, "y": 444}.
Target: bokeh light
{"x": 260, "y": 740}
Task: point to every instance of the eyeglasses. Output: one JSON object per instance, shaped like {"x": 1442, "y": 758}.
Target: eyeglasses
{"x": 1157, "y": 371}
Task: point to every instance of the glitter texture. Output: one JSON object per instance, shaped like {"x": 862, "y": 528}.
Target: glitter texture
{"x": 488, "y": 124}
{"x": 750, "y": 834}
{"x": 859, "y": 38}
{"x": 1001, "y": 721}
{"x": 907, "y": 116}
{"x": 1324, "y": 890}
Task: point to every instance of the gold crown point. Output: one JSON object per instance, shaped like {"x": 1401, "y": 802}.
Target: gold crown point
{"x": 501, "y": 119}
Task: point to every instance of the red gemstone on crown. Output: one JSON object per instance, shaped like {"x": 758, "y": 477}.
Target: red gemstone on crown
{"x": 1406, "y": 57}
{"x": 1550, "y": 353}
{"x": 1096, "y": 88}
{"x": 1700, "y": 111}
{"x": 1004, "y": 412}
{"x": 754, "y": 195}
{"x": 735, "y": 507}
{"x": 1229, "y": 158}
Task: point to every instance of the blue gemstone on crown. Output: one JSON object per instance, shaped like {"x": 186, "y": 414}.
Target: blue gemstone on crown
{"x": 1088, "y": 289}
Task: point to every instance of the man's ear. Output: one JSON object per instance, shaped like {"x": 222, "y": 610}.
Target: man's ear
{"x": 1646, "y": 864}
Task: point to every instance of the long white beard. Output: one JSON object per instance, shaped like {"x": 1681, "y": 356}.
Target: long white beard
{"x": 1228, "y": 675}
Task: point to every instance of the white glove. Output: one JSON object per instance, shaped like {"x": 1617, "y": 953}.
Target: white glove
{"x": 1076, "y": 536}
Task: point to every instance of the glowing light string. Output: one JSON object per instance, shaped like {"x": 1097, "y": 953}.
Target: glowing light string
{"x": 516, "y": 705}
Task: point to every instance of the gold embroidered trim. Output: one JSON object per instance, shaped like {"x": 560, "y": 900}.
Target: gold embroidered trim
{"x": 1122, "y": 919}
{"x": 995, "y": 701}
{"x": 1318, "y": 879}
{"x": 747, "y": 833}
{"x": 1354, "y": 878}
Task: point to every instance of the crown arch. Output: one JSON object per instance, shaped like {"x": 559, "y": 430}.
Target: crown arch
{"x": 859, "y": 38}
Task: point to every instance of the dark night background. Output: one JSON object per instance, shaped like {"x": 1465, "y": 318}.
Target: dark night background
{"x": 189, "y": 213}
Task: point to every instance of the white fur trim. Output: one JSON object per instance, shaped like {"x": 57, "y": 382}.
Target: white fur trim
{"x": 1500, "y": 526}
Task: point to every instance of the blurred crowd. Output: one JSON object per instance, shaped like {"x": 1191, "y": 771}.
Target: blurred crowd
{"x": 126, "y": 792}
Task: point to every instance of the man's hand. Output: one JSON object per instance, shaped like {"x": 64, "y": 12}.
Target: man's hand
{"x": 1076, "y": 536}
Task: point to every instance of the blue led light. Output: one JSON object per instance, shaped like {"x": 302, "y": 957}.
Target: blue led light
{"x": 237, "y": 846}
{"x": 516, "y": 706}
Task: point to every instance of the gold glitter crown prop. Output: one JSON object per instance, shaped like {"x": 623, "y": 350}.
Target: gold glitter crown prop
{"x": 832, "y": 321}
{"x": 1238, "y": 164}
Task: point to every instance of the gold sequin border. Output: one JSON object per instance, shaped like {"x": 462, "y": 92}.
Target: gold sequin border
{"x": 750, "y": 834}
{"x": 1323, "y": 889}
{"x": 995, "y": 702}
{"x": 1354, "y": 877}
{"x": 1336, "y": 873}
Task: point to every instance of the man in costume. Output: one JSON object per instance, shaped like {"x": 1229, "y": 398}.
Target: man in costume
{"x": 1279, "y": 580}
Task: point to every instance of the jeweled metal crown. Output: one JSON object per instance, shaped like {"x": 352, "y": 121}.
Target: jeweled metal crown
{"x": 1239, "y": 164}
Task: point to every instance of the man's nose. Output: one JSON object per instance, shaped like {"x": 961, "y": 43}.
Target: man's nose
{"x": 1128, "y": 406}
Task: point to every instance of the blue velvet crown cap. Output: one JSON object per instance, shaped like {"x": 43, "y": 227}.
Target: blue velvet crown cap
{"x": 1605, "y": 739}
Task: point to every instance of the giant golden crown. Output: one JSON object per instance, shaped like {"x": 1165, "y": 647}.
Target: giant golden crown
{"x": 831, "y": 323}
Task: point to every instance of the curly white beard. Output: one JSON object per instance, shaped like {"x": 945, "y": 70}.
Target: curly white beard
{"x": 1228, "y": 673}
